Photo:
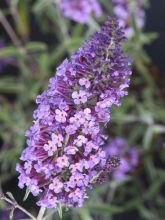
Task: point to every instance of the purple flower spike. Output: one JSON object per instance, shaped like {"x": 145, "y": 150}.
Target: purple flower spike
{"x": 129, "y": 157}
{"x": 125, "y": 9}
{"x": 64, "y": 156}
{"x": 80, "y": 10}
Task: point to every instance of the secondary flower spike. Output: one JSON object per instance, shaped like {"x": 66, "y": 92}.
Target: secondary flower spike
{"x": 64, "y": 156}
{"x": 125, "y": 10}
{"x": 129, "y": 157}
{"x": 80, "y": 10}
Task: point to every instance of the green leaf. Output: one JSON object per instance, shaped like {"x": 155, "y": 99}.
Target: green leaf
{"x": 9, "y": 51}
{"x": 104, "y": 208}
{"x": 35, "y": 46}
{"x": 133, "y": 203}
{"x": 155, "y": 187}
{"x": 22, "y": 21}
{"x": 57, "y": 54}
{"x": 14, "y": 3}
{"x": 150, "y": 169}
{"x": 147, "y": 38}
{"x": 85, "y": 214}
{"x": 40, "y": 5}
{"x": 73, "y": 43}
{"x": 44, "y": 64}
{"x": 77, "y": 31}
{"x": 147, "y": 139}
{"x": 145, "y": 213}
{"x": 8, "y": 85}
{"x": 159, "y": 129}
{"x": 2, "y": 203}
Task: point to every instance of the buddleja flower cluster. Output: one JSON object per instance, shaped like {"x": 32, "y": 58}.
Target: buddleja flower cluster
{"x": 125, "y": 10}
{"x": 80, "y": 10}
{"x": 129, "y": 157}
{"x": 64, "y": 156}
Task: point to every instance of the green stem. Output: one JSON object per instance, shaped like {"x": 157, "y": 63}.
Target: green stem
{"x": 16, "y": 205}
{"x": 63, "y": 28}
{"x": 49, "y": 214}
{"x": 93, "y": 25}
{"x": 9, "y": 30}
{"x": 41, "y": 213}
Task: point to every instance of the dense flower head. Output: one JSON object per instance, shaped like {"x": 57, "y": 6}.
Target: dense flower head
{"x": 80, "y": 10}
{"x": 64, "y": 156}
{"x": 125, "y": 10}
{"x": 129, "y": 157}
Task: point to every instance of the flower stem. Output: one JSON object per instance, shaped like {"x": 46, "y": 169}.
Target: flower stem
{"x": 41, "y": 213}
{"x": 16, "y": 205}
{"x": 9, "y": 30}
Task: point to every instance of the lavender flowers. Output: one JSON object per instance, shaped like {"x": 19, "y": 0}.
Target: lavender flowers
{"x": 125, "y": 10}
{"x": 64, "y": 156}
{"x": 80, "y": 10}
{"x": 129, "y": 157}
